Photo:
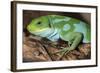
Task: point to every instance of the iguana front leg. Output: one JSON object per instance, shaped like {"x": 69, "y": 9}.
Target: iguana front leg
{"x": 75, "y": 38}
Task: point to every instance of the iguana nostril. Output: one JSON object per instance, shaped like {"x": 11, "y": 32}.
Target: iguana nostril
{"x": 28, "y": 28}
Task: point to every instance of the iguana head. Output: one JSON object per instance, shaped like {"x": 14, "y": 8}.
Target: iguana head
{"x": 38, "y": 25}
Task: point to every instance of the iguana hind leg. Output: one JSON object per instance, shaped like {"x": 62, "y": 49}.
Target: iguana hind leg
{"x": 77, "y": 37}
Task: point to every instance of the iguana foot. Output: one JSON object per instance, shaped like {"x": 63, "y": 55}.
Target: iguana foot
{"x": 63, "y": 52}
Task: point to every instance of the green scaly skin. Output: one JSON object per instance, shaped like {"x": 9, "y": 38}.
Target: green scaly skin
{"x": 66, "y": 28}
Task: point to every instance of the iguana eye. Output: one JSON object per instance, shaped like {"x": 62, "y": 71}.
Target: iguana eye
{"x": 39, "y": 23}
